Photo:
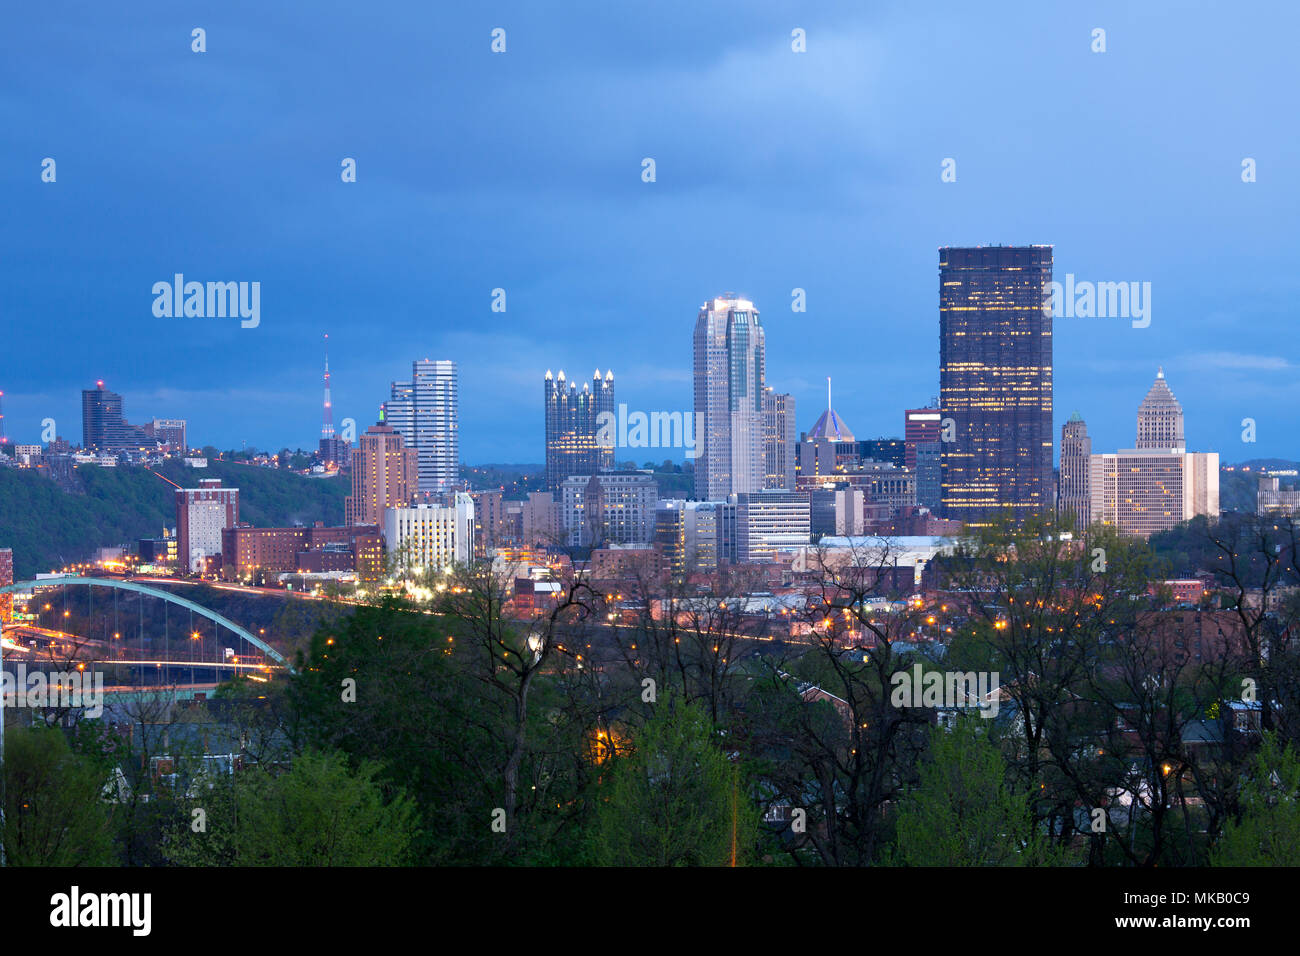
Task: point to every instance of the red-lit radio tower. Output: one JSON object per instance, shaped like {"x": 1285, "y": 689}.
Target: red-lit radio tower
{"x": 327, "y": 422}
{"x": 3, "y": 438}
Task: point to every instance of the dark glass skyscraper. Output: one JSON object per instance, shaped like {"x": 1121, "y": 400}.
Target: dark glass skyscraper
{"x": 572, "y": 424}
{"x": 995, "y": 381}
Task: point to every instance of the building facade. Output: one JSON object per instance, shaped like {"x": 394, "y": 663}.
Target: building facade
{"x": 616, "y": 507}
{"x": 1073, "y": 495}
{"x": 778, "y": 439}
{"x": 1152, "y": 488}
{"x": 426, "y": 412}
{"x": 729, "y": 378}
{"x": 919, "y": 425}
{"x": 202, "y": 514}
{"x": 573, "y": 418}
{"x": 430, "y": 536}
{"x": 103, "y": 428}
{"x": 384, "y": 475}
{"x": 770, "y": 521}
{"x": 245, "y": 551}
{"x": 995, "y": 381}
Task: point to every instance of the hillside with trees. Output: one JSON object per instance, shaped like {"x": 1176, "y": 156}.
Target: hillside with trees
{"x": 48, "y": 526}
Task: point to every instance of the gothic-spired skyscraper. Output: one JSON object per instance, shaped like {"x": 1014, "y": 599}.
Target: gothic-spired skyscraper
{"x": 729, "y": 382}
{"x": 1159, "y": 484}
{"x": 1074, "y": 496}
{"x": 425, "y": 412}
{"x": 1160, "y": 417}
{"x": 573, "y": 420}
{"x": 995, "y": 380}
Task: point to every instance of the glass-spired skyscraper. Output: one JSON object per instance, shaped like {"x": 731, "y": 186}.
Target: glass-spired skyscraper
{"x": 425, "y": 412}
{"x": 572, "y": 424}
{"x": 995, "y": 381}
{"x": 729, "y": 380}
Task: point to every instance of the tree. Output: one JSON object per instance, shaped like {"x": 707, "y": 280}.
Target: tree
{"x": 55, "y": 814}
{"x": 1268, "y": 833}
{"x": 964, "y": 812}
{"x": 319, "y": 813}
{"x": 675, "y": 800}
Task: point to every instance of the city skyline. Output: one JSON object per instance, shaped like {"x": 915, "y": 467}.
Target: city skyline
{"x": 847, "y": 136}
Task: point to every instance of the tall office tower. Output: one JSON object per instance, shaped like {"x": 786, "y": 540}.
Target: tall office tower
{"x": 384, "y": 475}
{"x": 919, "y": 424}
{"x": 1160, "y": 417}
{"x": 425, "y": 412}
{"x": 729, "y": 381}
{"x": 102, "y": 426}
{"x": 995, "y": 380}
{"x": 1076, "y": 453}
{"x": 202, "y": 513}
{"x": 778, "y": 440}
{"x": 573, "y": 419}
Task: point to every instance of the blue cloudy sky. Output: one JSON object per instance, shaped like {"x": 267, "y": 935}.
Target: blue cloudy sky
{"x": 522, "y": 170}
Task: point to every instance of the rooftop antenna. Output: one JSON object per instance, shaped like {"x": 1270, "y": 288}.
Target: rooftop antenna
{"x": 828, "y": 393}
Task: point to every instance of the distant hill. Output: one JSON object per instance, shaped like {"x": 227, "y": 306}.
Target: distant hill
{"x": 1237, "y": 486}
{"x": 48, "y": 527}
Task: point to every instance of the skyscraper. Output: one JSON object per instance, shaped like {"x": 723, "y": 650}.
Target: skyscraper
{"x": 572, "y": 424}
{"x": 995, "y": 380}
{"x": 919, "y": 425}
{"x": 1076, "y": 452}
{"x": 384, "y": 475}
{"x": 778, "y": 440}
{"x": 729, "y": 381}
{"x": 1160, "y": 417}
{"x": 1158, "y": 484}
{"x": 102, "y": 426}
{"x": 425, "y": 412}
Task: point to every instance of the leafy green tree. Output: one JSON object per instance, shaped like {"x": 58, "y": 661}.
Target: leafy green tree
{"x": 964, "y": 812}
{"x": 319, "y": 813}
{"x": 1268, "y": 833}
{"x": 55, "y": 814}
{"x": 675, "y": 800}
